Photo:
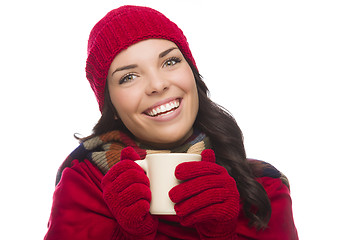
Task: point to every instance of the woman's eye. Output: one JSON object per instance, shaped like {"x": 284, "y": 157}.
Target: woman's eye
{"x": 127, "y": 78}
{"x": 172, "y": 61}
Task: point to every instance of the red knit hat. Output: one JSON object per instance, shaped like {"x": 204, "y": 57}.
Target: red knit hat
{"x": 121, "y": 28}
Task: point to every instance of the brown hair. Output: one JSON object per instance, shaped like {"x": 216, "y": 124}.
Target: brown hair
{"x": 227, "y": 142}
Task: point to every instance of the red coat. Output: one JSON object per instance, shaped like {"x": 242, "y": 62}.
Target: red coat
{"x": 79, "y": 211}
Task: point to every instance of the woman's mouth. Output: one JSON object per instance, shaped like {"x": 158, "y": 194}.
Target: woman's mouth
{"x": 163, "y": 109}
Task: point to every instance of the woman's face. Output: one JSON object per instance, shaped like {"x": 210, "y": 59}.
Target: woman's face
{"x": 153, "y": 90}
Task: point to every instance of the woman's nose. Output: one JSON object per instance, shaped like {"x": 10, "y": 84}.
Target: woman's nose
{"x": 156, "y": 84}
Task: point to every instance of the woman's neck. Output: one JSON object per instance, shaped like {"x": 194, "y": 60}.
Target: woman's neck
{"x": 165, "y": 146}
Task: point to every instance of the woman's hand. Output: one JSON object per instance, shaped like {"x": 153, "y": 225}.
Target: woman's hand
{"x": 207, "y": 198}
{"x": 126, "y": 192}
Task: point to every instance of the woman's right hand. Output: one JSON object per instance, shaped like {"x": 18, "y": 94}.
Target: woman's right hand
{"x": 127, "y": 193}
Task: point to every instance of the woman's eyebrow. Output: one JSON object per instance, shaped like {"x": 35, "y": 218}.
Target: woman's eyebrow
{"x": 124, "y": 68}
{"x": 164, "y": 53}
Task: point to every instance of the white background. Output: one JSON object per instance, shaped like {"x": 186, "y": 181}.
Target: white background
{"x": 287, "y": 70}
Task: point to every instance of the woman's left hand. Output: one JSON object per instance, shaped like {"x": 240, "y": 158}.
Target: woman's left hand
{"x": 207, "y": 198}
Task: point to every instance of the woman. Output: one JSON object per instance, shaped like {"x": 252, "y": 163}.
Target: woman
{"x": 153, "y": 99}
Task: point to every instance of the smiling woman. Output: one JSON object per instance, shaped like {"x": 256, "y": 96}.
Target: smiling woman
{"x": 157, "y": 97}
{"x": 153, "y": 99}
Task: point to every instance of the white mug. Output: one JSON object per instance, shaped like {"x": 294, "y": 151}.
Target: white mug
{"x": 160, "y": 169}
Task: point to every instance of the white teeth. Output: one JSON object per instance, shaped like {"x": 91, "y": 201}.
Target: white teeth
{"x": 167, "y": 106}
{"x": 164, "y": 108}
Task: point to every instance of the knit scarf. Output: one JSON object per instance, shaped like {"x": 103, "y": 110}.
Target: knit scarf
{"x": 105, "y": 150}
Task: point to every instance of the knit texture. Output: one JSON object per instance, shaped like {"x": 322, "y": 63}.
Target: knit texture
{"x": 126, "y": 191}
{"x": 105, "y": 150}
{"x": 80, "y": 194}
{"x": 121, "y": 28}
{"x": 207, "y": 199}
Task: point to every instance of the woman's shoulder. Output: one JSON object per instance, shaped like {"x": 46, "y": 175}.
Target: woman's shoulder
{"x": 262, "y": 169}
{"x": 77, "y": 159}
